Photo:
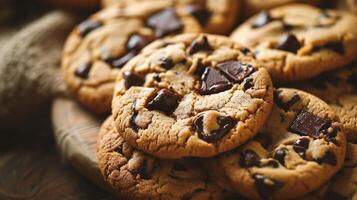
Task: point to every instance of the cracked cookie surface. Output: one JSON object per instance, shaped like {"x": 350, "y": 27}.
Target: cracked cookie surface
{"x": 135, "y": 175}
{"x": 215, "y": 16}
{"x": 101, "y": 45}
{"x": 338, "y": 88}
{"x": 300, "y": 147}
{"x": 298, "y": 41}
{"x": 191, "y": 95}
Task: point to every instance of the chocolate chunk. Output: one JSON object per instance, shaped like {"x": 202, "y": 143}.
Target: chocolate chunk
{"x": 225, "y": 124}
{"x": 136, "y": 43}
{"x": 328, "y": 158}
{"x": 262, "y": 19}
{"x": 330, "y": 134}
{"x": 132, "y": 79}
{"x": 199, "y": 12}
{"x": 213, "y": 82}
{"x": 88, "y": 26}
{"x": 286, "y": 105}
{"x": 336, "y": 46}
{"x": 118, "y": 63}
{"x": 248, "y": 83}
{"x": 266, "y": 186}
{"x": 83, "y": 70}
{"x": 280, "y": 154}
{"x": 132, "y": 122}
{"x": 249, "y": 159}
{"x": 309, "y": 124}
{"x": 200, "y": 69}
{"x": 165, "y": 101}
{"x": 289, "y": 43}
{"x": 301, "y": 145}
{"x": 157, "y": 77}
{"x": 235, "y": 71}
{"x": 287, "y": 27}
{"x": 270, "y": 163}
{"x": 166, "y": 63}
{"x": 200, "y": 44}
{"x": 165, "y": 22}
{"x": 245, "y": 50}
{"x": 352, "y": 79}
{"x": 264, "y": 139}
{"x": 331, "y": 195}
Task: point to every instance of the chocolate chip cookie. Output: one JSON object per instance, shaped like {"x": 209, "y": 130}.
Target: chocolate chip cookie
{"x": 339, "y": 89}
{"x": 251, "y": 7}
{"x": 297, "y": 42}
{"x": 135, "y": 175}
{"x": 191, "y": 95}
{"x": 300, "y": 147}
{"x": 215, "y": 16}
{"x": 101, "y": 45}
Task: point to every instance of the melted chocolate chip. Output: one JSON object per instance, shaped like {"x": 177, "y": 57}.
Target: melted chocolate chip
{"x": 308, "y": 124}
{"x": 289, "y": 43}
{"x": 352, "y": 79}
{"x": 165, "y": 22}
{"x": 280, "y": 154}
{"x": 165, "y": 101}
{"x": 266, "y": 186}
{"x": 88, "y": 26}
{"x": 213, "y": 82}
{"x": 132, "y": 122}
{"x": 118, "y": 63}
{"x": 248, "y": 83}
{"x": 132, "y": 79}
{"x": 200, "y": 44}
{"x": 262, "y": 19}
{"x": 301, "y": 145}
{"x": 336, "y": 46}
{"x": 235, "y": 71}
{"x": 330, "y": 134}
{"x": 166, "y": 63}
{"x": 199, "y": 12}
{"x": 136, "y": 42}
{"x": 328, "y": 158}
{"x": 264, "y": 139}
{"x": 286, "y": 105}
{"x": 225, "y": 124}
{"x": 245, "y": 50}
{"x": 83, "y": 70}
{"x": 249, "y": 159}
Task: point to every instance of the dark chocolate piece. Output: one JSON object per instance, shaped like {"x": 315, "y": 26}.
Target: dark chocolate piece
{"x": 235, "y": 71}
{"x": 249, "y": 159}
{"x": 165, "y": 22}
{"x": 213, "y": 82}
{"x": 83, "y": 70}
{"x": 289, "y": 43}
{"x": 165, "y": 101}
{"x": 88, "y": 26}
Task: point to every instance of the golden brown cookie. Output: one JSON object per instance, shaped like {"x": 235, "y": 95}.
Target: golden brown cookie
{"x": 215, "y": 16}
{"x": 297, "y": 42}
{"x": 191, "y": 95}
{"x": 299, "y": 149}
{"x": 135, "y": 175}
{"x": 101, "y": 45}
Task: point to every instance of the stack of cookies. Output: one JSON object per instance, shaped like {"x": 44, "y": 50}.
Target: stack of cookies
{"x": 199, "y": 115}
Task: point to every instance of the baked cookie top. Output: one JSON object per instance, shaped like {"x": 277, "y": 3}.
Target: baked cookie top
{"x": 298, "y": 41}
{"x": 191, "y": 95}
{"x": 215, "y": 16}
{"x": 135, "y": 175}
{"x": 300, "y": 147}
{"x": 101, "y": 45}
{"x": 339, "y": 89}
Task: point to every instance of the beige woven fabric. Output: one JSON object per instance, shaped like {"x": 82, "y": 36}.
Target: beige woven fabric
{"x": 29, "y": 67}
